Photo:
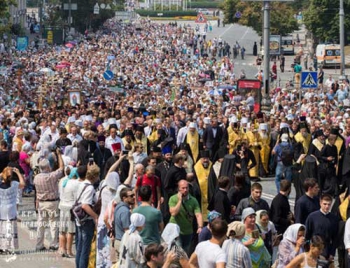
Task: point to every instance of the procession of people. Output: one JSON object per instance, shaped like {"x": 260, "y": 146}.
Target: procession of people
{"x": 137, "y": 143}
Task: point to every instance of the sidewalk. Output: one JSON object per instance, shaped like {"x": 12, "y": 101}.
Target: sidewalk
{"x": 26, "y": 256}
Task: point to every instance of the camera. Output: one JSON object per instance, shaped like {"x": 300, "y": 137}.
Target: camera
{"x": 125, "y": 152}
{"x": 91, "y": 161}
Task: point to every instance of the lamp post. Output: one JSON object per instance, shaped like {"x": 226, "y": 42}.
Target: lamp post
{"x": 265, "y": 103}
{"x": 341, "y": 38}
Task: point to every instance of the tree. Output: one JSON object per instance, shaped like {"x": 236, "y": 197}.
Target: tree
{"x": 321, "y": 18}
{"x": 5, "y": 15}
{"x": 282, "y": 19}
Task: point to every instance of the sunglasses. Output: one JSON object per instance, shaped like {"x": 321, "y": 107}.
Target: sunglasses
{"x": 132, "y": 195}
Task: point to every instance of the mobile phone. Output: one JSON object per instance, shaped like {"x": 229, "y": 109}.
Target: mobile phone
{"x": 125, "y": 152}
{"x": 91, "y": 161}
{"x": 255, "y": 234}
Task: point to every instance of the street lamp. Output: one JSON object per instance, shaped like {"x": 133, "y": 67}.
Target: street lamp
{"x": 341, "y": 38}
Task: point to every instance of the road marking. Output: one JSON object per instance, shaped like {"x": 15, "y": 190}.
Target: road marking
{"x": 226, "y": 30}
{"x": 245, "y": 33}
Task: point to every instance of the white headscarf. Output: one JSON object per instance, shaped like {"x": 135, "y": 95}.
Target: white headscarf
{"x": 137, "y": 220}
{"x": 112, "y": 181}
{"x": 291, "y": 234}
{"x": 170, "y": 233}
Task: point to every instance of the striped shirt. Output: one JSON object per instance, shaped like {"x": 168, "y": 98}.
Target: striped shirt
{"x": 238, "y": 255}
{"x": 46, "y": 185}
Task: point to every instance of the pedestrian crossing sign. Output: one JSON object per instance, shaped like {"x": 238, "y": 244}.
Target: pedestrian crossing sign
{"x": 309, "y": 80}
{"x": 200, "y": 18}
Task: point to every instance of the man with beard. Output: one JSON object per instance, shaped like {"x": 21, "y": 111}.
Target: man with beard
{"x": 156, "y": 152}
{"x": 192, "y": 139}
{"x": 141, "y": 138}
{"x": 315, "y": 149}
{"x": 164, "y": 166}
{"x": 175, "y": 173}
{"x": 184, "y": 151}
{"x": 128, "y": 138}
{"x": 202, "y": 169}
{"x": 101, "y": 155}
{"x": 303, "y": 137}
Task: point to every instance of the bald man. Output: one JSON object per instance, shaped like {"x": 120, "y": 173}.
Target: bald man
{"x": 183, "y": 208}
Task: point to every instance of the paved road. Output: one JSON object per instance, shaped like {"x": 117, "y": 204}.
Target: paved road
{"x": 26, "y": 256}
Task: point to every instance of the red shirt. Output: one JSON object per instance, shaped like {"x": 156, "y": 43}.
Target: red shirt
{"x": 153, "y": 181}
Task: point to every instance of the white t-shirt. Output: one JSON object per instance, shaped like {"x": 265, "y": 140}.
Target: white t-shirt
{"x": 209, "y": 254}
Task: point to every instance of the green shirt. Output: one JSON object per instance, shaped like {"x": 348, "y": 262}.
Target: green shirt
{"x": 297, "y": 68}
{"x": 150, "y": 233}
{"x": 184, "y": 219}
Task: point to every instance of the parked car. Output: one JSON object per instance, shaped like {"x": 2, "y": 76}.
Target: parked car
{"x": 204, "y": 11}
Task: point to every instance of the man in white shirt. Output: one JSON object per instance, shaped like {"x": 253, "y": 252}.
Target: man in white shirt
{"x": 113, "y": 138}
{"x": 209, "y": 253}
{"x": 74, "y": 136}
{"x": 329, "y": 82}
{"x": 182, "y": 134}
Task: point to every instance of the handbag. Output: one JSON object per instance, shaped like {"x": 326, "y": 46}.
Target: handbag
{"x": 77, "y": 212}
{"x": 98, "y": 205}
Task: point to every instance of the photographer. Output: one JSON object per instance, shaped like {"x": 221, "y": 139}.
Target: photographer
{"x": 47, "y": 196}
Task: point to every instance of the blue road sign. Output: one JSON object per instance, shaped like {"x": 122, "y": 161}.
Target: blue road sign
{"x": 309, "y": 80}
{"x": 238, "y": 15}
{"x": 108, "y": 75}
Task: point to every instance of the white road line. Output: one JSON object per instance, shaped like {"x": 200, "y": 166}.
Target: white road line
{"x": 245, "y": 33}
{"x": 226, "y": 30}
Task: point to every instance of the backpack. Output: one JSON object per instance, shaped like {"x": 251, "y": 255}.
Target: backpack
{"x": 287, "y": 155}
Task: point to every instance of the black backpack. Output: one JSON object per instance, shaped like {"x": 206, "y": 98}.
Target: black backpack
{"x": 287, "y": 155}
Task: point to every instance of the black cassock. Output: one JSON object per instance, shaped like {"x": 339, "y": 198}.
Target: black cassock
{"x": 308, "y": 170}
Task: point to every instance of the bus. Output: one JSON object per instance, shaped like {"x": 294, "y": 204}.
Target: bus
{"x": 328, "y": 55}
{"x": 288, "y": 45}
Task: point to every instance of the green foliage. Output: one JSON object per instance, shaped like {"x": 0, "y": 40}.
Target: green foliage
{"x": 166, "y": 13}
{"x": 281, "y": 16}
{"x": 299, "y": 5}
{"x": 322, "y": 19}
{"x": 83, "y": 18}
{"x": 205, "y": 4}
{"x": 4, "y": 5}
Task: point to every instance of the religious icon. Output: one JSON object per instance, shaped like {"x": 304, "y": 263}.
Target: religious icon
{"x": 74, "y": 98}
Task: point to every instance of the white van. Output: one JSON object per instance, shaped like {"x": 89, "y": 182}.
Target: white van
{"x": 328, "y": 55}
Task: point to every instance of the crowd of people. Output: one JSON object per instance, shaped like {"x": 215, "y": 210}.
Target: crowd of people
{"x": 162, "y": 163}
